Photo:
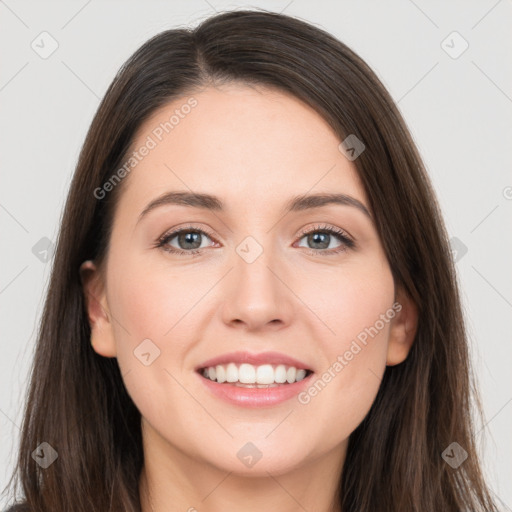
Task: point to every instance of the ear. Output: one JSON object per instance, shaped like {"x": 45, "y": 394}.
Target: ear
{"x": 102, "y": 334}
{"x": 403, "y": 329}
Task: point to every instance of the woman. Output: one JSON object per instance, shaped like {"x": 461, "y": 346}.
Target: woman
{"x": 307, "y": 351}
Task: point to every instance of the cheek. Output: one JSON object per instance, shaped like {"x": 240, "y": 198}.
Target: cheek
{"x": 151, "y": 302}
{"x": 151, "y": 336}
{"x": 357, "y": 306}
{"x": 347, "y": 301}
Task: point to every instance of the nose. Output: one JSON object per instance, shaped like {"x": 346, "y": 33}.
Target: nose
{"x": 256, "y": 294}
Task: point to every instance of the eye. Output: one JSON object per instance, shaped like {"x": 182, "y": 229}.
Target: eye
{"x": 188, "y": 239}
{"x": 321, "y": 236}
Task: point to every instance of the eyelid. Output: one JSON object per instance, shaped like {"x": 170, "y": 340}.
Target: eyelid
{"x": 188, "y": 227}
{"x": 326, "y": 227}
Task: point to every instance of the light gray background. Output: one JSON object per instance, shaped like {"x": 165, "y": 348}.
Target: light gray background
{"x": 458, "y": 109}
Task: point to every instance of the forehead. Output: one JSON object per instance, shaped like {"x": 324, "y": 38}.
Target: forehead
{"x": 251, "y": 146}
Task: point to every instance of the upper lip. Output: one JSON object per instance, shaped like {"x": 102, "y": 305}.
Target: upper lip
{"x": 254, "y": 359}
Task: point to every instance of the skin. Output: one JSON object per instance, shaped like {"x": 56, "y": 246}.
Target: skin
{"x": 254, "y": 148}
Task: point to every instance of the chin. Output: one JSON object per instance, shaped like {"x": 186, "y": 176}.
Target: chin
{"x": 257, "y": 458}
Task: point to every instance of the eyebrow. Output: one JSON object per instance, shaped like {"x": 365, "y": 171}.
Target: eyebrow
{"x": 213, "y": 203}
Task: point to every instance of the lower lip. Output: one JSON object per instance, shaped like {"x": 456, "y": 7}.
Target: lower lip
{"x": 255, "y": 397}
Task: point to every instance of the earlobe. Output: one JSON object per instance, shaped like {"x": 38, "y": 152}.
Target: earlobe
{"x": 102, "y": 335}
{"x": 403, "y": 330}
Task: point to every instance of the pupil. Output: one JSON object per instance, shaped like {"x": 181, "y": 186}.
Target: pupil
{"x": 190, "y": 238}
{"x": 315, "y": 239}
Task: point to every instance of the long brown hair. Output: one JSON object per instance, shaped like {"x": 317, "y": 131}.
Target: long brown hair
{"x": 77, "y": 401}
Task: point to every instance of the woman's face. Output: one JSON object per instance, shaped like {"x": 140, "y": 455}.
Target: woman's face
{"x": 256, "y": 284}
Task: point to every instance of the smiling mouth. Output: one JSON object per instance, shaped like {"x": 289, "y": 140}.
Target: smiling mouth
{"x": 251, "y": 376}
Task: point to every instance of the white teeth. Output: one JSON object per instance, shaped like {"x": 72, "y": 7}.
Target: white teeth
{"x": 248, "y": 375}
{"x": 300, "y": 375}
{"x": 221, "y": 373}
{"x": 265, "y": 374}
{"x": 290, "y": 375}
{"x": 280, "y": 374}
{"x": 231, "y": 373}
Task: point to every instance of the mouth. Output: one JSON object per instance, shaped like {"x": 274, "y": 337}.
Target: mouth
{"x": 254, "y": 380}
{"x": 255, "y": 394}
{"x": 247, "y": 375}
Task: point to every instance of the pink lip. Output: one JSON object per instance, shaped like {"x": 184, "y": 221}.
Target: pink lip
{"x": 255, "y": 397}
{"x": 255, "y": 359}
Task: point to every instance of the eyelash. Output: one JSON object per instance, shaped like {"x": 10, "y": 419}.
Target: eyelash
{"x": 347, "y": 243}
